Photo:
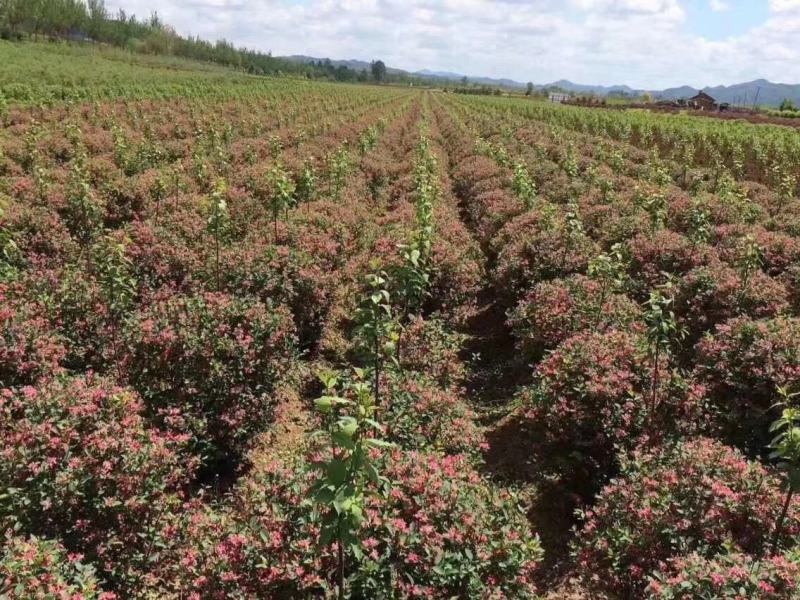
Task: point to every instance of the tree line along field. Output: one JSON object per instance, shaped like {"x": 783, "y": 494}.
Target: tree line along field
{"x": 280, "y": 339}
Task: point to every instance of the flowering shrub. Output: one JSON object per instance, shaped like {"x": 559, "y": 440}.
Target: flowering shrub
{"x": 778, "y": 251}
{"x": 652, "y": 257}
{"x": 213, "y": 358}
{"x": 712, "y": 294}
{"x": 527, "y": 256}
{"x": 742, "y": 364}
{"x": 28, "y": 346}
{"x": 554, "y": 310}
{"x": 40, "y": 234}
{"x": 492, "y": 208}
{"x": 615, "y": 223}
{"x": 441, "y": 533}
{"x": 457, "y": 271}
{"x": 427, "y": 346}
{"x": 163, "y": 255}
{"x": 283, "y": 275}
{"x": 39, "y": 568}
{"x": 115, "y": 229}
{"x": 422, "y": 415}
{"x": 699, "y": 496}
{"x": 591, "y": 395}
{"x": 81, "y": 465}
{"x": 728, "y": 575}
{"x": 79, "y": 314}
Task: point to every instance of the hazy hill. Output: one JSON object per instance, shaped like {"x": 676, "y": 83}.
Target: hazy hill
{"x": 769, "y": 94}
{"x": 600, "y": 90}
{"x": 356, "y": 65}
{"x": 765, "y": 92}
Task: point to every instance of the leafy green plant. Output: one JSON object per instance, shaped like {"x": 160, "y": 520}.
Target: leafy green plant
{"x": 413, "y": 285}
{"x": 573, "y": 223}
{"x": 201, "y": 169}
{"x": 117, "y": 284}
{"x": 786, "y": 450}
{"x": 523, "y": 185}
{"x": 570, "y": 163}
{"x": 281, "y": 197}
{"x": 306, "y": 187}
{"x": 84, "y": 211}
{"x": 367, "y": 140}
{"x": 8, "y": 252}
{"x": 686, "y": 158}
{"x": 341, "y": 490}
{"x": 413, "y": 275}
{"x": 656, "y": 205}
{"x": 339, "y": 166}
{"x": 218, "y": 221}
{"x": 158, "y": 192}
{"x": 32, "y": 157}
{"x": 748, "y": 262}
{"x": 699, "y": 225}
{"x": 122, "y": 150}
{"x": 607, "y": 269}
{"x": 376, "y": 329}
{"x": 662, "y": 331}
{"x": 658, "y": 172}
{"x": 275, "y": 146}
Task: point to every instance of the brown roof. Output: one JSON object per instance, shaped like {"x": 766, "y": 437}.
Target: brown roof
{"x": 703, "y": 96}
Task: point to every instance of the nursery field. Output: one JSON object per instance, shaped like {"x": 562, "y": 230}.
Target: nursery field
{"x": 42, "y": 74}
{"x": 281, "y": 339}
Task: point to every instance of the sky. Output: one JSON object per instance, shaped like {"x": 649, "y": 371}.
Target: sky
{"x": 648, "y": 44}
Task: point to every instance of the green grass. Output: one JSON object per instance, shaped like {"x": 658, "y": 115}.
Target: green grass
{"x": 49, "y": 72}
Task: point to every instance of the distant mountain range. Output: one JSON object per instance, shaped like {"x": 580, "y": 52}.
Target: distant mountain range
{"x": 356, "y": 65}
{"x": 760, "y": 91}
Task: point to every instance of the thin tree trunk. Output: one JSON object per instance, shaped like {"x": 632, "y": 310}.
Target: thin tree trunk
{"x": 654, "y": 399}
{"x": 341, "y": 562}
{"x": 116, "y": 348}
{"x": 776, "y": 538}
{"x": 216, "y": 247}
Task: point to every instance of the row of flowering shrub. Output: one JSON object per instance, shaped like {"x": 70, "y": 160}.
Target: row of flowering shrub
{"x": 150, "y": 311}
{"x": 651, "y": 314}
{"x": 169, "y": 273}
{"x": 441, "y": 532}
{"x": 693, "y": 501}
{"x": 81, "y": 465}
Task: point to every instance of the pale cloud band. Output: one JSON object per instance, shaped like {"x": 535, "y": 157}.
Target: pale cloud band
{"x": 642, "y": 43}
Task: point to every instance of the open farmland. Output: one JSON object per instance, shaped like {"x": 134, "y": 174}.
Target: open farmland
{"x": 276, "y": 338}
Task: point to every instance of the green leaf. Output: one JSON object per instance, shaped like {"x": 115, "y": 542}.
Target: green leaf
{"x": 357, "y": 551}
{"x": 357, "y": 513}
{"x": 337, "y": 472}
{"x": 372, "y": 473}
{"x": 325, "y": 495}
{"x": 375, "y": 443}
{"x": 323, "y": 404}
{"x": 347, "y": 426}
{"x": 344, "y": 499}
{"x": 341, "y": 440}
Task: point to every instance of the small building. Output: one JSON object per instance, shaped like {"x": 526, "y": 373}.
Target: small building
{"x": 703, "y": 101}
{"x": 558, "y": 97}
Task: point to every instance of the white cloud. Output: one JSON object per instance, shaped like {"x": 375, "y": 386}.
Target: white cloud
{"x": 642, "y": 43}
{"x": 719, "y": 5}
{"x": 784, "y": 5}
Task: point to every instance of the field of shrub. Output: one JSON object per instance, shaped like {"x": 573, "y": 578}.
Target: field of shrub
{"x": 299, "y": 340}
